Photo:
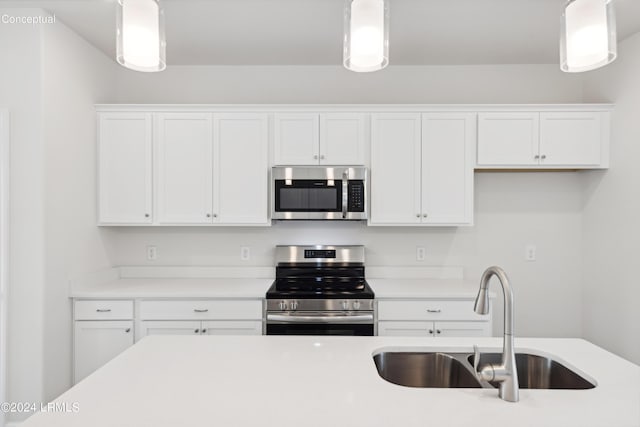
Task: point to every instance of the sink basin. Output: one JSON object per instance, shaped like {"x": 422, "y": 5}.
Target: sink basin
{"x": 413, "y": 369}
{"x": 539, "y": 372}
{"x": 455, "y": 370}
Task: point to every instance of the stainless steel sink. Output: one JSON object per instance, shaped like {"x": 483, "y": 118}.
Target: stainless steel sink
{"x": 455, "y": 370}
{"x": 412, "y": 369}
{"x": 540, "y": 372}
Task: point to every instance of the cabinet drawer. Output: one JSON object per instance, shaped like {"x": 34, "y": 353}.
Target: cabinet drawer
{"x": 428, "y": 310}
{"x": 201, "y": 310}
{"x": 103, "y": 310}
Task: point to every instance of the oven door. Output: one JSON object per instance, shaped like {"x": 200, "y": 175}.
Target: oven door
{"x": 320, "y": 323}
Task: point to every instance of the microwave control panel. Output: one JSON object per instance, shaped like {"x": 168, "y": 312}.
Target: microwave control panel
{"x": 355, "y": 189}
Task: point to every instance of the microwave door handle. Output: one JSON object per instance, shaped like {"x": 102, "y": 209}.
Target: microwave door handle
{"x": 345, "y": 193}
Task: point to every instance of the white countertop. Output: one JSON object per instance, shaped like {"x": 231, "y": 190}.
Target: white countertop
{"x": 329, "y": 381}
{"x": 175, "y": 288}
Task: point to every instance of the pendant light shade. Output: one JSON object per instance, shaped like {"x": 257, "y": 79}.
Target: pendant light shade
{"x": 588, "y": 35}
{"x": 366, "y": 35}
{"x": 140, "y": 35}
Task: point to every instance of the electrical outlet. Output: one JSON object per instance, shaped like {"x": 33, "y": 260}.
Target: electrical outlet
{"x": 420, "y": 253}
{"x": 530, "y": 253}
{"x": 152, "y": 253}
{"x": 245, "y": 253}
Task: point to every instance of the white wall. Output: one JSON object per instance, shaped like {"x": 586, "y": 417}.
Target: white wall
{"x": 611, "y": 213}
{"x": 21, "y": 93}
{"x": 334, "y": 84}
{"x": 50, "y": 80}
{"x": 75, "y": 77}
{"x": 512, "y": 210}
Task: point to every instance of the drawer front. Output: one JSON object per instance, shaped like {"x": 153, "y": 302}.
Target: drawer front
{"x": 434, "y": 310}
{"x": 103, "y": 310}
{"x": 237, "y": 327}
{"x": 405, "y": 329}
{"x": 201, "y": 310}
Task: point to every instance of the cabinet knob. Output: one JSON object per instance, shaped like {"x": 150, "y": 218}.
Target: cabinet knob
{"x": 204, "y": 331}
{"x": 215, "y": 215}
{"x": 536, "y": 157}
{"x": 438, "y": 331}
{"x": 208, "y": 215}
{"x": 197, "y": 331}
{"x": 127, "y": 330}
{"x": 322, "y": 157}
{"x": 315, "y": 156}
{"x": 146, "y": 215}
{"x": 544, "y": 156}
{"x": 431, "y": 331}
{"x": 417, "y": 215}
{"x": 424, "y": 215}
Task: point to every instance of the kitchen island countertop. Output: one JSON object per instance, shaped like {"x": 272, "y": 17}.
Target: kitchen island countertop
{"x": 330, "y": 381}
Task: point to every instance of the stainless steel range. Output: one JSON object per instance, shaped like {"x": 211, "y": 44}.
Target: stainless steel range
{"x": 320, "y": 290}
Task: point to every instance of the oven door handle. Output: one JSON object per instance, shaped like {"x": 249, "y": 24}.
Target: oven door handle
{"x": 319, "y": 319}
{"x": 345, "y": 192}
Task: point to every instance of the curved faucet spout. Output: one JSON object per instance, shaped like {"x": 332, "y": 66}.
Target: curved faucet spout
{"x": 505, "y": 373}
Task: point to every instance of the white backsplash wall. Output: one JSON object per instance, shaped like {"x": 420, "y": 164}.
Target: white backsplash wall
{"x": 512, "y": 210}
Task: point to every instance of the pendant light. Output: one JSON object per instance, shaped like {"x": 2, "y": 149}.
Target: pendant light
{"x": 366, "y": 35}
{"x": 587, "y": 36}
{"x": 140, "y": 35}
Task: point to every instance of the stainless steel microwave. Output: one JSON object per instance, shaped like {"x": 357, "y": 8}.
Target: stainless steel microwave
{"x": 319, "y": 192}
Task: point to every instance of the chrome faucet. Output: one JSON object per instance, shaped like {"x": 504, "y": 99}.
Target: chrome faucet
{"x": 505, "y": 373}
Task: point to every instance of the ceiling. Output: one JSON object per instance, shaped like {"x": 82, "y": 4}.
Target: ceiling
{"x": 309, "y": 32}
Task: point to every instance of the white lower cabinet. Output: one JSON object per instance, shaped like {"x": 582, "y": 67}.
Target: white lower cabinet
{"x": 102, "y": 329}
{"x": 431, "y": 317}
{"x": 199, "y": 317}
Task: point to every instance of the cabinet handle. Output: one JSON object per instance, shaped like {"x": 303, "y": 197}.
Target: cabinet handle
{"x": 127, "y": 330}
{"x": 315, "y": 156}
{"x": 424, "y": 215}
{"x": 430, "y": 310}
{"x": 103, "y": 310}
{"x": 215, "y": 215}
{"x": 536, "y": 157}
{"x": 197, "y": 331}
{"x": 208, "y": 215}
{"x": 200, "y": 310}
{"x": 204, "y": 331}
{"x": 544, "y": 156}
{"x": 418, "y": 215}
{"x": 322, "y": 157}
{"x": 431, "y": 331}
{"x": 146, "y": 215}
{"x": 438, "y": 331}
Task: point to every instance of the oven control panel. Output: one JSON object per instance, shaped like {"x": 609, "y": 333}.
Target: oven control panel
{"x": 275, "y": 305}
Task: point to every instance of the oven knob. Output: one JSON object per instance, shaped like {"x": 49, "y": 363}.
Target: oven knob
{"x": 356, "y": 305}
{"x": 294, "y": 305}
{"x": 345, "y": 305}
{"x": 283, "y": 305}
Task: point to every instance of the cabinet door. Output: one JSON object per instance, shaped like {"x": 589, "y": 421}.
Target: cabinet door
{"x": 97, "y": 342}
{"x": 447, "y": 168}
{"x": 405, "y": 329}
{"x": 342, "y": 139}
{"x": 242, "y": 327}
{"x": 508, "y": 139}
{"x": 170, "y": 327}
{"x": 296, "y": 139}
{"x": 124, "y": 168}
{"x": 241, "y": 168}
{"x": 395, "y": 169}
{"x": 185, "y": 168}
{"x": 570, "y": 138}
{"x": 462, "y": 329}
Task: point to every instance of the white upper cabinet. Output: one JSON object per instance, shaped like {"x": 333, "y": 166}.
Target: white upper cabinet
{"x": 319, "y": 139}
{"x": 570, "y": 138}
{"x": 184, "y": 159}
{"x": 296, "y": 139}
{"x": 422, "y": 169}
{"x": 447, "y": 168}
{"x": 543, "y": 140}
{"x": 395, "y": 169}
{"x": 241, "y": 169}
{"x": 507, "y": 138}
{"x": 124, "y": 168}
{"x": 342, "y": 139}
